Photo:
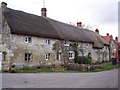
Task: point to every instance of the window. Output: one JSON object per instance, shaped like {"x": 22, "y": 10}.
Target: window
{"x": 89, "y": 54}
{"x": 4, "y": 56}
{"x": 48, "y": 56}
{"x": 71, "y": 55}
{"x": 28, "y": 57}
{"x": 66, "y": 43}
{"x": 47, "y": 41}
{"x": 28, "y": 39}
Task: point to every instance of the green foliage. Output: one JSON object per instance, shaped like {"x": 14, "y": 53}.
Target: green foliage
{"x": 109, "y": 66}
{"x": 13, "y": 70}
{"x": 83, "y": 60}
{"x": 75, "y": 49}
{"x": 105, "y": 67}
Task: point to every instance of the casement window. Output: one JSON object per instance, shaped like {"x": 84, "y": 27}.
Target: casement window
{"x": 48, "y": 56}
{"x": 71, "y": 55}
{"x": 66, "y": 43}
{"x": 28, "y": 39}
{"x": 47, "y": 41}
{"x": 4, "y": 56}
{"x": 28, "y": 56}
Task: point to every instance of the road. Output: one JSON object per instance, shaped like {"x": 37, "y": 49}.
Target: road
{"x": 104, "y": 79}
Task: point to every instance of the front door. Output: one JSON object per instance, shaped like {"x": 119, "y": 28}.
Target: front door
{"x": 58, "y": 56}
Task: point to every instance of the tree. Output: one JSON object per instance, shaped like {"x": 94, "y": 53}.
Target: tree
{"x": 59, "y": 46}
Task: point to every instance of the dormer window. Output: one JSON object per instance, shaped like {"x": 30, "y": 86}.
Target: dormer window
{"x": 47, "y": 41}
{"x": 28, "y": 39}
{"x": 66, "y": 43}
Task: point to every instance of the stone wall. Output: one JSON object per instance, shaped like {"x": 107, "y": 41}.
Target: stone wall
{"x": 38, "y": 48}
{"x": 99, "y": 55}
{"x": 82, "y": 67}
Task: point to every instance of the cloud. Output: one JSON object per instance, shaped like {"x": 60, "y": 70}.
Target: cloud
{"x": 100, "y": 11}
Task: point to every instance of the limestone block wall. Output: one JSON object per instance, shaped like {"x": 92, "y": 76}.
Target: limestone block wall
{"x": 99, "y": 55}
{"x": 0, "y": 26}
{"x": 105, "y": 51}
{"x": 112, "y": 49}
{"x": 5, "y": 44}
{"x": 38, "y": 48}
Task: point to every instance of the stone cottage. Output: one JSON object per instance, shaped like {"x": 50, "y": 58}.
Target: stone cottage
{"x": 27, "y": 39}
{"x": 112, "y": 47}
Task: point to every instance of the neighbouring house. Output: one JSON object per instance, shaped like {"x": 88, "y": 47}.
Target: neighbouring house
{"x": 100, "y": 50}
{"x": 112, "y": 48}
{"x": 119, "y": 54}
{"x": 27, "y": 39}
{"x": 117, "y": 44}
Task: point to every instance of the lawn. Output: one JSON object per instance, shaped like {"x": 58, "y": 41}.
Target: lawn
{"x": 104, "y": 68}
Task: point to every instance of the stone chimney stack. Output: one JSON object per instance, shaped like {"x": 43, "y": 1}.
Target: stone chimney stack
{"x": 97, "y": 31}
{"x": 43, "y": 12}
{"x": 79, "y": 24}
{"x": 107, "y": 34}
{"x": 116, "y": 38}
{"x": 3, "y": 6}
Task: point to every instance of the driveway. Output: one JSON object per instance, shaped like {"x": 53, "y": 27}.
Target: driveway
{"x": 105, "y": 79}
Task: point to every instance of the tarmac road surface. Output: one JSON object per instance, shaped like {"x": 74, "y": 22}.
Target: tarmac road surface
{"x": 104, "y": 79}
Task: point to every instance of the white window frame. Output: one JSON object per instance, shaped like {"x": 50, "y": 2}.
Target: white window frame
{"x": 66, "y": 43}
{"x": 71, "y": 55}
{"x": 87, "y": 45}
{"x": 28, "y": 57}
{"x": 48, "y": 41}
{"x": 48, "y": 56}
{"x": 28, "y": 39}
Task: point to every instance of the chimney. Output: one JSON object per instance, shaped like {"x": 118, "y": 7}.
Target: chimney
{"x": 107, "y": 34}
{"x": 79, "y": 24}
{"x": 43, "y": 12}
{"x": 116, "y": 38}
{"x": 97, "y": 31}
{"x": 4, "y": 5}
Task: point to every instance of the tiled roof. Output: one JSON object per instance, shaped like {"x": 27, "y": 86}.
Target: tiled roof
{"x": 116, "y": 43}
{"x": 107, "y": 38}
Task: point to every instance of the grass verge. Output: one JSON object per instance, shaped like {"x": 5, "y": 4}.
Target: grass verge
{"x": 105, "y": 67}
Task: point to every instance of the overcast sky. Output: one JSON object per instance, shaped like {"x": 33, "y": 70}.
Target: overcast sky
{"x": 101, "y": 14}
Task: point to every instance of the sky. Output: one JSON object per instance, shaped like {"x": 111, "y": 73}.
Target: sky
{"x": 101, "y": 14}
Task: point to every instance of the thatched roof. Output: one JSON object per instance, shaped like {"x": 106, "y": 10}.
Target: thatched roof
{"x": 28, "y": 24}
{"x": 99, "y": 42}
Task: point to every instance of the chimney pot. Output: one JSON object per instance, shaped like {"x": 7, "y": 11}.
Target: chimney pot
{"x": 97, "y": 31}
{"x": 107, "y": 34}
{"x": 3, "y": 6}
{"x": 116, "y": 38}
{"x": 43, "y": 12}
{"x": 79, "y": 24}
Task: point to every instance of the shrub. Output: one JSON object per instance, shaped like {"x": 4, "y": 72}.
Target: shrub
{"x": 83, "y": 60}
{"x": 13, "y": 70}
